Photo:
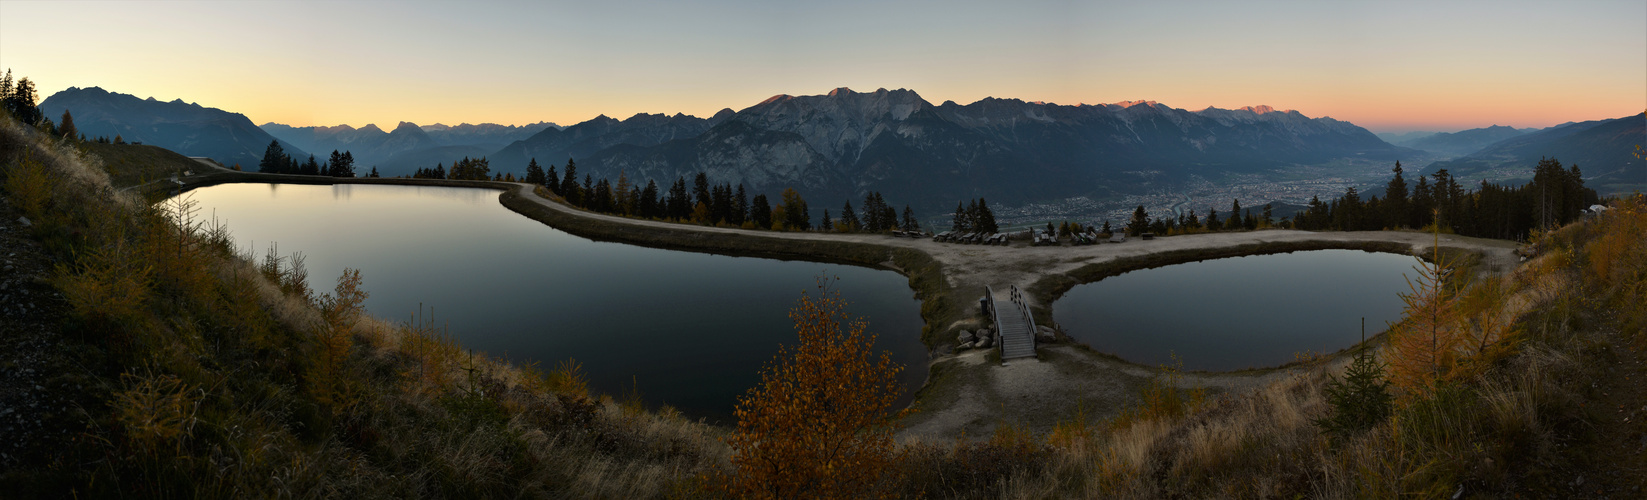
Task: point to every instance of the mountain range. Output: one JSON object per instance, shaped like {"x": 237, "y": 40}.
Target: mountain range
{"x": 1604, "y": 150}
{"x": 845, "y": 143}
{"x": 187, "y": 128}
{"x": 1463, "y": 142}
{"x": 409, "y": 146}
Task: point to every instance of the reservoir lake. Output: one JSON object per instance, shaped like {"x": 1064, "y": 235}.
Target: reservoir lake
{"x": 684, "y": 329}
{"x": 1241, "y": 312}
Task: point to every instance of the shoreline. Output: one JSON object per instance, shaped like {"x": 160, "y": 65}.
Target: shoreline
{"x": 940, "y": 273}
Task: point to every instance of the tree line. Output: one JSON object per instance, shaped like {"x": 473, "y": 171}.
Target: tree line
{"x": 276, "y": 161}
{"x": 703, "y": 202}
{"x": 1555, "y": 196}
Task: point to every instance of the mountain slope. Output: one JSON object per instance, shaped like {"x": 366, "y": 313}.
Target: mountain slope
{"x": 409, "y": 146}
{"x": 1465, "y": 142}
{"x": 1602, "y": 149}
{"x": 189, "y": 129}
{"x": 1006, "y": 149}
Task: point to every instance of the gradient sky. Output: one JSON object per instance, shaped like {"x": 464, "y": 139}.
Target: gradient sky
{"x": 1387, "y": 66}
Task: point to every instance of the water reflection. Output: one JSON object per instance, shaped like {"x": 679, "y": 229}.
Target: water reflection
{"x": 687, "y": 329}
{"x": 1243, "y": 312}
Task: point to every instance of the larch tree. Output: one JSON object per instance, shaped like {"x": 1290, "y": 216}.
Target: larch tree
{"x": 820, "y": 424}
{"x": 1422, "y": 345}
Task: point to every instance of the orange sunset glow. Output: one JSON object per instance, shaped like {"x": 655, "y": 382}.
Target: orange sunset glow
{"x": 1386, "y": 66}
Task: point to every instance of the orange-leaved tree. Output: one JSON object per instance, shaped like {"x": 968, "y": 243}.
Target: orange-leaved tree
{"x": 1422, "y": 345}
{"x": 820, "y": 423}
{"x": 334, "y": 336}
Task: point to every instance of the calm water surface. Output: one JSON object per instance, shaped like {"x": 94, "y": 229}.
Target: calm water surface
{"x": 1242, "y": 312}
{"x": 686, "y": 329}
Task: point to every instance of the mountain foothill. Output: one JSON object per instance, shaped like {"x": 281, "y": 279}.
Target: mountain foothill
{"x": 845, "y": 143}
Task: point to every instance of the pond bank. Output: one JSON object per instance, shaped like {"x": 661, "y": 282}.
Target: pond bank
{"x": 963, "y": 393}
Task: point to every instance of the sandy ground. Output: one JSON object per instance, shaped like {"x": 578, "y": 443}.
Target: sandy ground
{"x": 965, "y": 395}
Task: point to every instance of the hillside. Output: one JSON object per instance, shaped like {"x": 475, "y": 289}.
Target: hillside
{"x": 211, "y": 375}
{"x": 187, "y": 128}
{"x": 1465, "y": 141}
{"x": 1602, "y": 149}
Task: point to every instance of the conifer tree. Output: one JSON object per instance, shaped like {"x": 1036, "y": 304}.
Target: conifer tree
{"x": 826, "y": 224}
{"x": 962, "y": 220}
{"x": 648, "y": 203}
{"x": 274, "y": 159}
{"x": 1360, "y": 400}
{"x": 910, "y": 224}
{"x": 849, "y": 218}
{"x": 1395, "y": 200}
{"x": 986, "y": 218}
{"x": 1139, "y": 223}
{"x": 551, "y": 179}
{"x": 1422, "y": 345}
{"x": 740, "y": 207}
{"x": 760, "y": 212}
{"x": 534, "y": 173}
{"x": 569, "y": 184}
{"x": 1234, "y": 222}
{"x": 65, "y": 127}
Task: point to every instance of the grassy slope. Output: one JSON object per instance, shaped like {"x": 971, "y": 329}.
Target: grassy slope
{"x": 201, "y": 374}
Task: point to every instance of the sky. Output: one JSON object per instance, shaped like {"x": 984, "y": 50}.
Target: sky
{"x": 1388, "y": 66}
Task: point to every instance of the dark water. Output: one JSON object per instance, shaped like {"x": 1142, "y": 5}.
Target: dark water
{"x": 1242, "y": 312}
{"x": 687, "y": 329}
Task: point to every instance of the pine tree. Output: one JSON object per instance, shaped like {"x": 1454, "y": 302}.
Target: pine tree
{"x": 986, "y": 218}
{"x": 1360, "y": 400}
{"x": 274, "y": 159}
{"x": 534, "y": 173}
{"x": 740, "y": 207}
{"x": 648, "y": 204}
{"x": 569, "y": 184}
{"x": 826, "y": 224}
{"x": 849, "y": 218}
{"x": 65, "y": 127}
{"x": 1395, "y": 200}
{"x": 1234, "y": 221}
{"x": 551, "y": 179}
{"x": 1139, "y": 223}
{"x": 962, "y": 220}
{"x": 760, "y": 212}
{"x": 910, "y": 223}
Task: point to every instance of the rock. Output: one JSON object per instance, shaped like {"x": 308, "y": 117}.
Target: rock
{"x": 965, "y": 336}
{"x": 984, "y": 342}
{"x": 986, "y": 333}
{"x": 1045, "y": 337}
{"x": 24, "y": 221}
{"x": 965, "y": 346}
{"x": 1043, "y": 329}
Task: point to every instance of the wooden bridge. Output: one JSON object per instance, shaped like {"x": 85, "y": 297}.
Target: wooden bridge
{"x": 1014, "y": 326}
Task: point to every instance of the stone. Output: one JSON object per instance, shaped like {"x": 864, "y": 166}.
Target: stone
{"x": 984, "y": 342}
{"x": 966, "y": 345}
{"x": 986, "y": 333}
{"x": 966, "y": 336}
{"x": 24, "y": 221}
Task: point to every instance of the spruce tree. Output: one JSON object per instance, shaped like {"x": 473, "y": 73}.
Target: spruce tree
{"x": 1139, "y": 223}
{"x": 740, "y": 207}
{"x": 760, "y": 212}
{"x": 1360, "y": 400}
{"x": 849, "y": 219}
{"x": 910, "y": 224}
{"x": 65, "y": 127}
{"x": 534, "y": 173}
{"x": 274, "y": 159}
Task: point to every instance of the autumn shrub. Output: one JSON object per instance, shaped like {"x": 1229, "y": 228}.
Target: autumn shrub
{"x": 819, "y": 425}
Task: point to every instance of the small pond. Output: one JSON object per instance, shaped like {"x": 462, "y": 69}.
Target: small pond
{"x": 685, "y": 329}
{"x": 1242, "y": 312}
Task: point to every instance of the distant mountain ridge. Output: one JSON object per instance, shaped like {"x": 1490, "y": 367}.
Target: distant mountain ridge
{"x": 1465, "y": 142}
{"x": 844, "y": 143}
{"x": 1603, "y": 150}
{"x": 408, "y": 146}
{"x": 187, "y": 128}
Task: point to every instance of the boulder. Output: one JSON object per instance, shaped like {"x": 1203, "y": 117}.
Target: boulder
{"x": 1044, "y": 334}
{"x": 965, "y": 345}
{"x": 986, "y": 333}
{"x": 965, "y": 336}
{"x": 984, "y": 342}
